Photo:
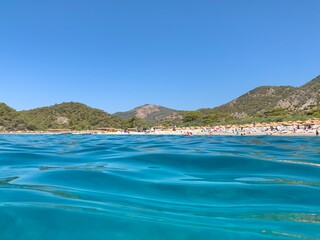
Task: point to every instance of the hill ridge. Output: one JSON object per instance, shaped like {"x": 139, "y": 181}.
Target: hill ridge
{"x": 262, "y": 103}
{"x": 149, "y": 112}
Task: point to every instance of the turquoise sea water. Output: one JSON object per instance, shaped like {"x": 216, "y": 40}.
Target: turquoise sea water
{"x": 159, "y": 187}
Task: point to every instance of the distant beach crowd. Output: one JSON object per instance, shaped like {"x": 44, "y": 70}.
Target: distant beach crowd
{"x": 308, "y": 128}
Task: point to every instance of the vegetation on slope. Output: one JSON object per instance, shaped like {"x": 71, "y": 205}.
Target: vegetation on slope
{"x": 148, "y": 112}
{"x": 75, "y": 116}
{"x": 9, "y": 119}
{"x": 262, "y": 104}
{"x": 71, "y": 115}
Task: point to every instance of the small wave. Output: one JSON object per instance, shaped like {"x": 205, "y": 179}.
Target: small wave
{"x": 159, "y": 187}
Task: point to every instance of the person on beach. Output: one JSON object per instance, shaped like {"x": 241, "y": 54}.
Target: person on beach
{"x": 317, "y": 132}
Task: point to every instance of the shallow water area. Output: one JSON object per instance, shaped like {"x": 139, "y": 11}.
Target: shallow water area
{"x": 159, "y": 187}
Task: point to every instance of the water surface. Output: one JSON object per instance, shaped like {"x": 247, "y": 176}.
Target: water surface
{"x": 159, "y": 187}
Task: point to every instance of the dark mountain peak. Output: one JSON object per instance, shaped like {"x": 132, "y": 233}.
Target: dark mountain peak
{"x": 70, "y": 104}
{"x": 8, "y": 118}
{"x": 65, "y": 107}
{"x": 5, "y": 108}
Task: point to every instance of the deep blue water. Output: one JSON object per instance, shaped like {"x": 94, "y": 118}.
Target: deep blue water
{"x": 159, "y": 187}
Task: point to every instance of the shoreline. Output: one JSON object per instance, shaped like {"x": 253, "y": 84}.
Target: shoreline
{"x": 309, "y": 128}
{"x": 166, "y": 133}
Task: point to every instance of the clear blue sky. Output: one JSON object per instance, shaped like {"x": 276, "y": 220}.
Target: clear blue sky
{"x": 116, "y": 55}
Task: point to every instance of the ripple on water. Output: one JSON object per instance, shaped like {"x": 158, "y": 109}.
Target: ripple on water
{"x": 159, "y": 187}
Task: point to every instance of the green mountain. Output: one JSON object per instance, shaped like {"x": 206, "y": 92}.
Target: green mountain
{"x": 9, "y": 119}
{"x": 267, "y": 98}
{"x": 6, "y": 115}
{"x": 69, "y": 115}
{"x": 151, "y": 113}
{"x": 256, "y": 100}
{"x": 303, "y": 98}
{"x": 266, "y": 103}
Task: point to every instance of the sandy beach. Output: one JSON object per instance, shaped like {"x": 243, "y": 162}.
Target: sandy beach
{"x": 274, "y": 129}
